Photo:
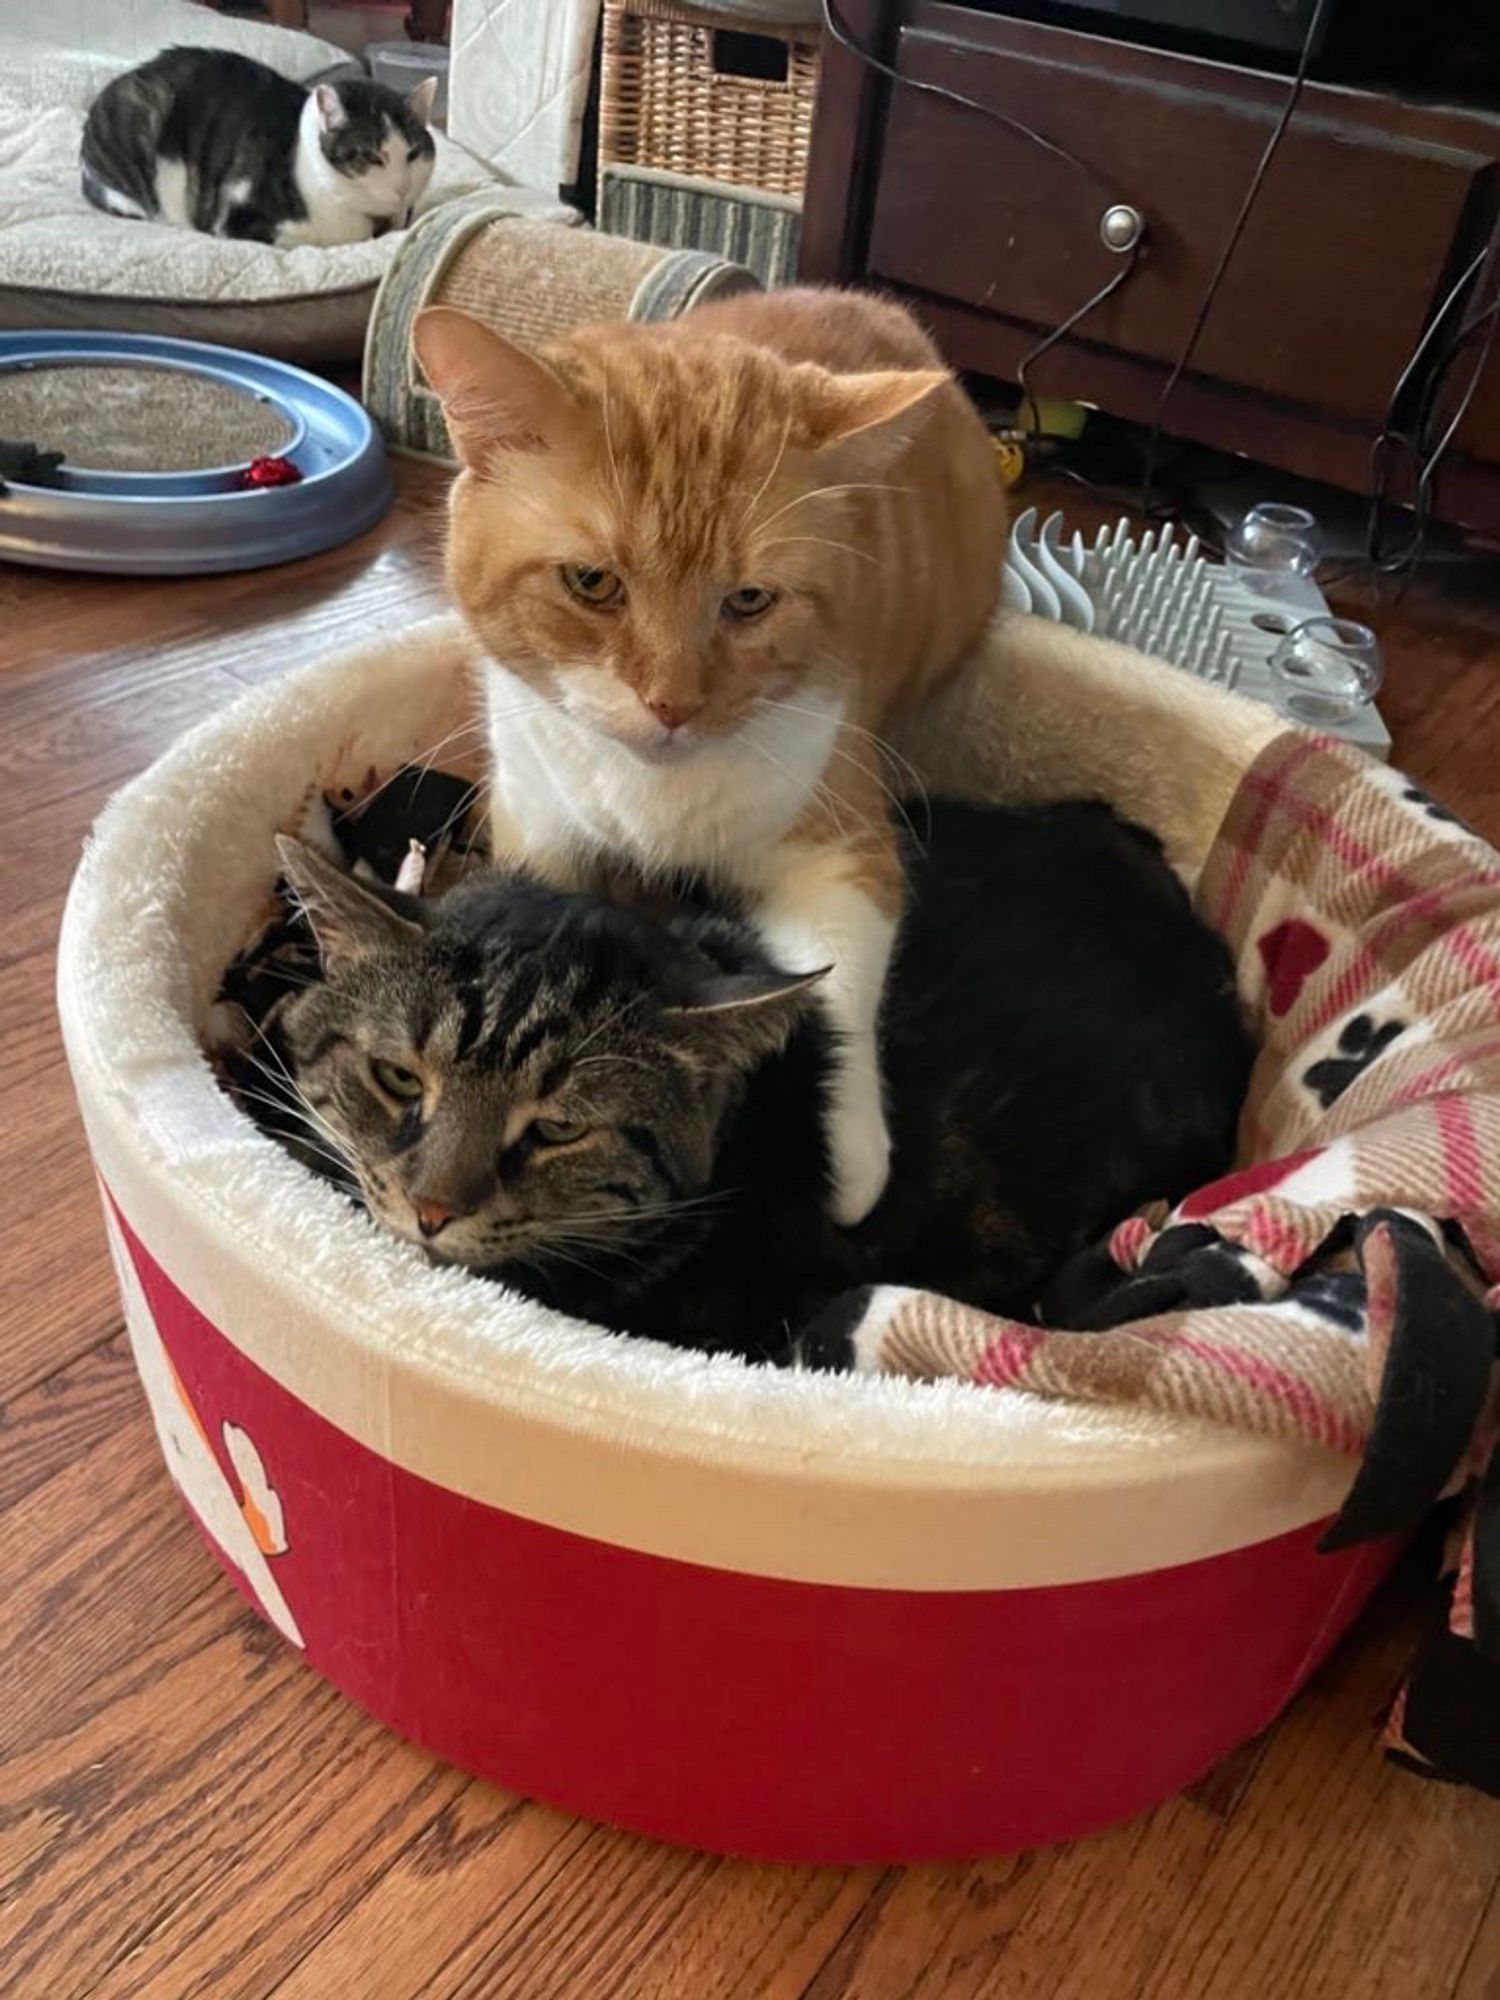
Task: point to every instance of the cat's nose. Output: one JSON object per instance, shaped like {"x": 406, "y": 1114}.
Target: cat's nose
{"x": 673, "y": 714}
{"x": 433, "y": 1216}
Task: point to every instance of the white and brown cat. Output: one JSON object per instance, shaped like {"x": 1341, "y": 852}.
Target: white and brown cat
{"x": 707, "y": 563}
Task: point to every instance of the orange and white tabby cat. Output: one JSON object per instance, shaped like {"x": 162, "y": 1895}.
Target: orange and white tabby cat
{"x": 707, "y": 562}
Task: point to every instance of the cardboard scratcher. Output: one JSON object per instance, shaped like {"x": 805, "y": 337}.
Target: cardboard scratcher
{"x": 531, "y": 280}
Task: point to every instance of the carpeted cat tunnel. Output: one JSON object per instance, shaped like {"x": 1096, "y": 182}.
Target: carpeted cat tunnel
{"x": 842, "y": 1616}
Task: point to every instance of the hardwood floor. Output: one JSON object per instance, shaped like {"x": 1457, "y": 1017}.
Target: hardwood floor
{"x": 186, "y": 1813}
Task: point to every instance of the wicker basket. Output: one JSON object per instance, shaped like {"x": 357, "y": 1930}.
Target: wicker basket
{"x": 682, "y": 93}
{"x": 759, "y": 231}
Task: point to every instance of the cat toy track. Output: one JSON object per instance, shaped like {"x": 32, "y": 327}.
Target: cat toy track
{"x": 176, "y": 458}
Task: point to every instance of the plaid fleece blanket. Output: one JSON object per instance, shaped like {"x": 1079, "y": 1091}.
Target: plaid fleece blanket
{"x": 1343, "y": 1286}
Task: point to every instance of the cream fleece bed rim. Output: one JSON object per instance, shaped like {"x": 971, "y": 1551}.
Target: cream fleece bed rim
{"x": 853, "y": 1478}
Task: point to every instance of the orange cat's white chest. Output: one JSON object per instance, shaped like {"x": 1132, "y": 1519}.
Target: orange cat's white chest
{"x": 560, "y": 788}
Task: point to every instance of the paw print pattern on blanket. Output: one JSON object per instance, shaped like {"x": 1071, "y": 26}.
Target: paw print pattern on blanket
{"x": 1360, "y": 1043}
{"x": 1425, "y": 802}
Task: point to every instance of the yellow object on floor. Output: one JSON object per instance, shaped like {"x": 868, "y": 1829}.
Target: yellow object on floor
{"x": 1010, "y": 455}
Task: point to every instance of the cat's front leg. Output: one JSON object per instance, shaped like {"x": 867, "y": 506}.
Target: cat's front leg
{"x": 286, "y": 235}
{"x": 327, "y": 231}
{"x": 829, "y": 905}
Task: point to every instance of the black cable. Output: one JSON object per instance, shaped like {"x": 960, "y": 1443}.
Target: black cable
{"x": 1454, "y": 292}
{"x": 1471, "y": 389}
{"x": 837, "y": 28}
{"x": 1426, "y": 455}
{"x": 1473, "y": 325}
{"x": 1029, "y": 360}
{"x": 1231, "y": 244}
{"x": 1431, "y": 458}
{"x": 1388, "y": 435}
{"x": 840, "y": 33}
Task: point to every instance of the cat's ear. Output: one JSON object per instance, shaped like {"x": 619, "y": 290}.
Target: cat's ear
{"x": 877, "y": 412}
{"x": 495, "y": 398}
{"x": 347, "y": 919}
{"x": 745, "y": 1016}
{"x": 419, "y": 102}
{"x": 331, "y": 111}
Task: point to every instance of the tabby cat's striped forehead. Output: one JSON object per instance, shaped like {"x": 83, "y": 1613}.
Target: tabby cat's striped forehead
{"x": 497, "y": 1010}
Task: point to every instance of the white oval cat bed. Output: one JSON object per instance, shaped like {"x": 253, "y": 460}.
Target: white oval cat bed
{"x": 67, "y": 268}
{"x": 811, "y": 1617}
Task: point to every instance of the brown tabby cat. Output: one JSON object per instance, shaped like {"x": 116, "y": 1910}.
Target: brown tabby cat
{"x": 707, "y": 562}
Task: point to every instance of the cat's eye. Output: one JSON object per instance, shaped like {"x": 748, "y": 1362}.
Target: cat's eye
{"x": 395, "y": 1080}
{"x": 599, "y": 587}
{"x": 557, "y": 1131}
{"x": 749, "y": 601}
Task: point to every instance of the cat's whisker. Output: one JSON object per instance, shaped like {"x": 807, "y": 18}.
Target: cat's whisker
{"x": 577, "y": 1235}
{"x": 483, "y": 728}
{"x": 303, "y": 1148}
{"x": 897, "y": 804}
{"x": 282, "y": 1076}
{"x": 818, "y": 790}
{"x": 344, "y": 1162}
{"x": 304, "y": 1115}
{"x": 882, "y": 743}
{"x": 542, "y": 750}
{"x": 243, "y": 1095}
{"x": 609, "y": 1021}
{"x": 834, "y": 803}
{"x": 423, "y": 760}
{"x": 682, "y": 1205}
{"x": 458, "y": 813}
{"x": 609, "y": 450}
{"x": 550, "y": 1248}
{"x": 877, "y": 829}
{"x": 747, "y": 518}
{"x": 476, "y": 732}
{"x": 632, "y": 1062}
{"x": 284, "y": 976}
{"x": 825, "y": 492}
{"x": 472, "y": 729}
{"x": 903, "y": 766}
{"x": 822, "y": 542}
{"x": 520, "y": 708}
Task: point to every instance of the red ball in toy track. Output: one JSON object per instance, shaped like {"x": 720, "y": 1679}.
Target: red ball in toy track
{"x": 270, "y": 472}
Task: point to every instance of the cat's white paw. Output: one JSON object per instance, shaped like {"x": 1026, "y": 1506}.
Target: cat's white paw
{"x": 860, "y": 1147}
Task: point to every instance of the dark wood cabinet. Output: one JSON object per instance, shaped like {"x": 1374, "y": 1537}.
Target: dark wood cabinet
{"x": 1371, "y": 208}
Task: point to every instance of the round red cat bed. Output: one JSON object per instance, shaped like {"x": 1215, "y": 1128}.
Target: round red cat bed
{"x": 791, "y": 1615}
